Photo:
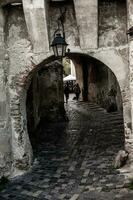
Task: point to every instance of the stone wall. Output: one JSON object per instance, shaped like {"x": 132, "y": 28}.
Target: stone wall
{"x": 5, "y": 135}
{"x": 45, "y": 99}
{"x": 112, "y": 23}
{"x": 87, "y": 21}
{"x": 28, "y": 32}
{"x": 98, "y": 83}
{"x": 51, "y": 93}
{"x": 70, "y": 23}
{"x": 18, "y": 49}
{"x": 81, "y": 17}
{"x": 36, "y": 20}
{"x": 79, "y": 71}
{"x": 103, "y": 87}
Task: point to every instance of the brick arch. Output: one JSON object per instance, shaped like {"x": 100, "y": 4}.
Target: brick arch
{"x": 21, "y": 147}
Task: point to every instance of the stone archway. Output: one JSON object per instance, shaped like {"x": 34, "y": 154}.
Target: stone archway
{"x": 24, "y": 55}
{"x": 96, "y": 80}
{"x": 113, "y": 60}
{"x": 21, "y": 147}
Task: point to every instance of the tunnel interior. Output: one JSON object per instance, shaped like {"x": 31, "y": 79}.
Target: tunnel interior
{"x": 48, "y": 117}
{"x": 98, "y": 83}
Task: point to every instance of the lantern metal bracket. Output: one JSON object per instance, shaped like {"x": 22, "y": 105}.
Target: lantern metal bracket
{"x": 61, "y": 20}
{"x": 59, "y": 43}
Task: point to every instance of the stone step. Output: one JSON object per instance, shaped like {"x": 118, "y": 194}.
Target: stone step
{"x": 104, "y": 128}
{"x": 113, "y": 123}
{"x": 112, "y": 132}
{"x": 107, "y": 118}
{"x": 102, "y": 111}
{"x": 105, "y": 123}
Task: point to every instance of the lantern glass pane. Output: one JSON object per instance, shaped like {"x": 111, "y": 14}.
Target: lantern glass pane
{"x": 55, "y": 51}
{"x": 59, "y": 49}
{"x": 64, "y": 50}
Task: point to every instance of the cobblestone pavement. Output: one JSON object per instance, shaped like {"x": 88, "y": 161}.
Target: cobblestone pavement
{"x": 77, "y": 164}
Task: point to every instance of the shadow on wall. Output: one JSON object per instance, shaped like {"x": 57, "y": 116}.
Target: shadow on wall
{"x": 98, "y": 83}
{"x": 108, "y": 93}
{"x": 103, "y": 87}
{"x": 45, "y": 100}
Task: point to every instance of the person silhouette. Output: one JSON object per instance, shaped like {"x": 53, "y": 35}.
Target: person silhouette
{"x": 66, "y": 91}
{"x": 77, "y": 91}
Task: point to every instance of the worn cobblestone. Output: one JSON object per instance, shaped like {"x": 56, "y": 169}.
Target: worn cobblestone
{"x": 77, "y": 163}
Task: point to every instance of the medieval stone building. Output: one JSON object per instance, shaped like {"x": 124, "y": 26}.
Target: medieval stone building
{"x": 31, "y": 86}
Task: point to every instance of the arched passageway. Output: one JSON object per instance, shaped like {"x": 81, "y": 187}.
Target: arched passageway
{"x": 99, "y": 89}
{"x": 98, "y": 83}
{"x": 73, "y": 158}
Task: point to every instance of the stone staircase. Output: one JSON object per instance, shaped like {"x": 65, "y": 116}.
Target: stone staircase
{"x": 106, "y": 129}
{"x": 78, "y": 164}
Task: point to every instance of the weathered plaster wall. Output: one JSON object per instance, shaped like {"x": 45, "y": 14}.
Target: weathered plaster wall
{"x": 79, "y": 71}
{"x": 70, "y": 24}
{"x": 36, "y": 21}
{"x": 20, "y": 63}
{"x": 27, "y": 44}
{"x": 117, "y": 61}
{"x": 112, "y": 81}
{"x": 98, "y": 83}
{"x": 18, "y": 48}
{"x": 51, "y": 96}
{"x": 87, "y": 21}
{"x": 112, "y": 23}
{"x": 103, "y": 87}
{"x": 5, "y": 136}
{"x": 129, "y": 139}
{"x": 81, "y": 17}
{"x": 45, "y": 102}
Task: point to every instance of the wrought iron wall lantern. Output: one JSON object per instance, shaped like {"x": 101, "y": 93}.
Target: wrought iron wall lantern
{"x": 59, "y": 44}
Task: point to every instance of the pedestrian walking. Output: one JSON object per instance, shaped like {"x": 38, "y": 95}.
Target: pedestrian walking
{"x": 66, "y": 92}
{"x": 77, "y": 91}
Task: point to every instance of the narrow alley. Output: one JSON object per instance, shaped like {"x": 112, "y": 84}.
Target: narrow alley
{"x": 77, "y": 163}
